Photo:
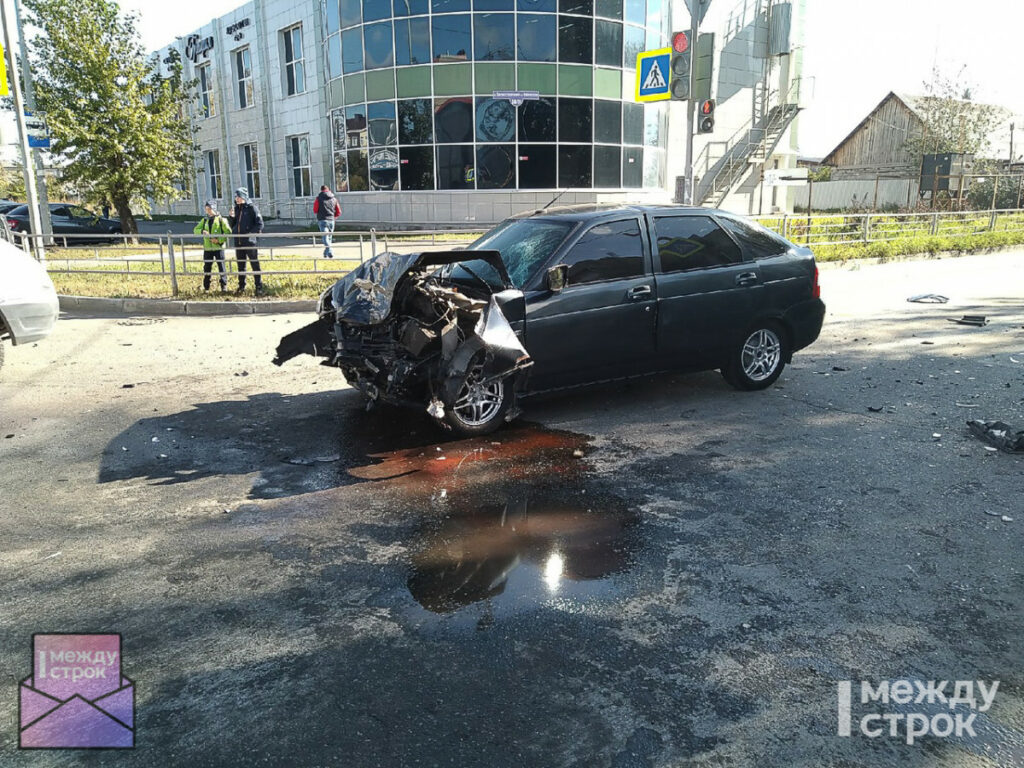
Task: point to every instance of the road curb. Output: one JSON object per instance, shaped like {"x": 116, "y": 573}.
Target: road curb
{"x": 89, "y": 305}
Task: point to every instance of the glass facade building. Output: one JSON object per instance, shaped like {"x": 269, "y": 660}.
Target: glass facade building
{"x": 415, "y": 109}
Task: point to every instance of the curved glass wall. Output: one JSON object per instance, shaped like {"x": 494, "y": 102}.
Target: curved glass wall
{"x": 416, "y": 79}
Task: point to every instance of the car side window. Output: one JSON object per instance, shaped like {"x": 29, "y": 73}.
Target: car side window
{"x": 613, "y": 250}
{"x": 693, "y": 242}
{"x": 757, "y": 242}
{"x": 80, "y": 213}
{"x": 62, "y": 211}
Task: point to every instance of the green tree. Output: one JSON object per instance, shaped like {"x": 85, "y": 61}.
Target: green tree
{"x": 1008, "y": 194}
{"x": 120, "y": 128}
{"x": 12, "y": 184}
{"x": 952, "y": 121}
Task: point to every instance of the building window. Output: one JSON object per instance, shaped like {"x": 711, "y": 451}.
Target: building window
{"x": 249, "y": 162}
{"x": 244, "y": 94}
{"x": 214, "y": 186}
{"x": 294, "y": 68}
{"x": 298, "y": 165}
{"x": 207, "y": 107}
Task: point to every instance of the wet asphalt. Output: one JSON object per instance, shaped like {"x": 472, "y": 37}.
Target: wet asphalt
{"x": 664, "y": 572}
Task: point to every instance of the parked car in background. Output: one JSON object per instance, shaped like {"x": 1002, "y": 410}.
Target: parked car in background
{"x": 567, "y": 297}
{"x": 28, "y": 300}
{"x": 7, "y": 205}
{"x": 66, "y": 219}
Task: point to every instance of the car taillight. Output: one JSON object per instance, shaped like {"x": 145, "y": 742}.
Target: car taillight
{"x": 11, "y": 223}
{"x": 815, "y": 287}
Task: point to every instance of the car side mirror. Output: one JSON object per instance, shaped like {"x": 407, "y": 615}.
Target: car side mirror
{"x": 558, "y": 278}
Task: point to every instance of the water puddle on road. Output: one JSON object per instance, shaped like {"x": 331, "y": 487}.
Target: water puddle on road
{"x": 511, "y": 520}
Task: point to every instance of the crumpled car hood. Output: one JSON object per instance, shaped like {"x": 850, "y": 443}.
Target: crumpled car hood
{"x": 364, "y": 295}
{"x": 390, "y": 315}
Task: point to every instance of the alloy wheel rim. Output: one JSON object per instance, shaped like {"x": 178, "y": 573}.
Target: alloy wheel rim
{"x": 478, "y": 403}
{"x": 762, "y": 352}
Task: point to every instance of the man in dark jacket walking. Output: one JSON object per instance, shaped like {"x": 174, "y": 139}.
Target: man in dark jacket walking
{"x": 327, "y": 210}
{"x": 246, "y": 220}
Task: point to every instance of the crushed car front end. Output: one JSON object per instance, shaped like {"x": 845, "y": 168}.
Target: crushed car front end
{"x": 404, "y": 333}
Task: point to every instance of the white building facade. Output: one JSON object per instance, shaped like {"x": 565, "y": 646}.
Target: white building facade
{"x": 392, "y": 104}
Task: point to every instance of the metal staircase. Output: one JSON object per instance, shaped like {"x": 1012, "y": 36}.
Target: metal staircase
{"x": 751, "y": 145}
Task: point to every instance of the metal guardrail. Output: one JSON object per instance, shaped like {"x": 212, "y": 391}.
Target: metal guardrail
{"x": 838, "y": 229}
{"x": 178, "y": 259}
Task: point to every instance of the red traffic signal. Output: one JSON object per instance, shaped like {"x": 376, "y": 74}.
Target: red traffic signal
{"x": 706, "y": 120}
{"x": 680, "y": 42}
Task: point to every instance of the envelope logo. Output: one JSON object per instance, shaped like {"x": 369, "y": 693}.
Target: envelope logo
{"x": 76, "y": 696}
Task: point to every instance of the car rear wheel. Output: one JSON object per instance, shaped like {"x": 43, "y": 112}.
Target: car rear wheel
{"x": 480, "y": 407}
{"x": 758, "y": 361}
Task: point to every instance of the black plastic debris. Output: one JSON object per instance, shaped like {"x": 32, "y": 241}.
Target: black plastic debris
{"x": 928, "y": 298}
{"x": 998, "y": 434}
{"x": 978, "y": 321}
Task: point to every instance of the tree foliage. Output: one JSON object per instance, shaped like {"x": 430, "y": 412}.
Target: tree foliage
{"x": 952, "y": 121}
{"x": 1008, "y": 192}
{"x": 118, "y": 126}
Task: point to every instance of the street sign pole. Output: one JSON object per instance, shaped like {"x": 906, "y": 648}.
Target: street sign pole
{"x": 30, "y": 105}
{"x": 26, "y": 156}
{"x": 690, "y": 188}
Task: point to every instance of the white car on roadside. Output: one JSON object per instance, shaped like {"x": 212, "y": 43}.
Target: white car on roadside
{"x": 28, "y": 300}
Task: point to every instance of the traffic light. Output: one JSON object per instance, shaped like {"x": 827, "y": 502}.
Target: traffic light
{"x": 706, "y": 118}
{"x": 679, "y": 84}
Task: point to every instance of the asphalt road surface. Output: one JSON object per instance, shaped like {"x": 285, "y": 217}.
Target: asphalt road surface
{"x": 660, "y": 573}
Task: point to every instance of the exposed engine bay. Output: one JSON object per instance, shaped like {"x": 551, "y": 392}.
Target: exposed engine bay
{"x": 404, "y": 332}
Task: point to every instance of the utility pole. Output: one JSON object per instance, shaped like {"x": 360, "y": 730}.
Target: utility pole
{"x": 30, "y": 105}
{"x": 26, "y": 155}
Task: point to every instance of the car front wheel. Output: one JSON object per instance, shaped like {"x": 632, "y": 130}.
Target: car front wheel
{"x": 758, "y": 361}
{"x": 480, "y": 407}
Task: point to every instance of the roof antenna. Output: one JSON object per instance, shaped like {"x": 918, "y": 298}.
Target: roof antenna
{"x": 554, "y": 199}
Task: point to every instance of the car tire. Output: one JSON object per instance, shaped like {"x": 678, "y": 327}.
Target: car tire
{"x": 758, "y": 360}
{"x": 480, "y": 410}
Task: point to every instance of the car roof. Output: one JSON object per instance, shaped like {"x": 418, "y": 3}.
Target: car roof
{"x": 586, "y": 211}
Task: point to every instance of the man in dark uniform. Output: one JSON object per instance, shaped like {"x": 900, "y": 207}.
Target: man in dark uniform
{"x": 246, "y": 220}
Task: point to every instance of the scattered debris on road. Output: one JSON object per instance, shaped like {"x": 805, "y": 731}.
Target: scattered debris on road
{"x": 977, "y": 321}
{"x": 928, "y": 298}
{"x": 998, "y": 434}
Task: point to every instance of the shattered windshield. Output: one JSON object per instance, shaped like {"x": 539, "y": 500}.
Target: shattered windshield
{"x": 524, "y": 245}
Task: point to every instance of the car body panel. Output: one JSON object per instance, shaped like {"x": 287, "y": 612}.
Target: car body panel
{"x": 28, "y": 301}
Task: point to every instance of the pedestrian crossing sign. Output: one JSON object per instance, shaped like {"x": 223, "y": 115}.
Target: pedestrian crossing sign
{"x": 652, "y": 75}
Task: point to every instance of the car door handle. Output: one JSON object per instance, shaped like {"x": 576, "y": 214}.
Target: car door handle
{"x": 640, "y": 292}
{"x": 746, "y": 278}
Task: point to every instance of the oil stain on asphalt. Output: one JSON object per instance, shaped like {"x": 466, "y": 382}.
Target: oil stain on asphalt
{"x": 512, "y": 520}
